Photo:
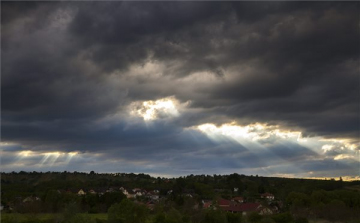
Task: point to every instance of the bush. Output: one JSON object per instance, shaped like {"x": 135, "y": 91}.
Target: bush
{"x": 254, "y": 217}
{"x": 233, "y": 218}
{"x": 215, "y": 216}
{"x": 283, "y": 218}
{"x": 301, "y": 220}
{"x": 127, "y": 212}
{"x": 81, "y": 218}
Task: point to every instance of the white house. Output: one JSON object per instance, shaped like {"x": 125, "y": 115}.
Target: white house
{"x": 268, "y": 196}
{"x": 81, "y": 192}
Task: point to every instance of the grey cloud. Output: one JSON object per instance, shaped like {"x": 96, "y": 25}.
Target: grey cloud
{"x": 67, "y": 65}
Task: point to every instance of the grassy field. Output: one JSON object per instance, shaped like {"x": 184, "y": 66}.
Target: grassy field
{"x": 15, "y": 217}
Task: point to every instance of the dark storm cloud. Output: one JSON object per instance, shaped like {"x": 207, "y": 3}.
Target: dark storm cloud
{"x": 68, "y": 66}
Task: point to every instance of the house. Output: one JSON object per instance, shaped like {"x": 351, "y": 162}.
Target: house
{"x": 130, "y": 194}
{"x": 110, "y": 190}
{"x": 207, "y": 204}
{"x": 135, "y": 190}
{"x": 139, "y": 193}
{"x": 81, "y": 192}
{"x": 268, "y": 196}
{"x": 127, "y": 191}
{"x": 238, "y": 199}
{"x": 101, "y": 191}
{"x": 265, "y": 211}
{"x": 123, "y": 190}
{"x": 153, "y": 195}
{"x": 92, "y": 191}
{"x": 223, "y": 203}
{"x": 31, "y": 199}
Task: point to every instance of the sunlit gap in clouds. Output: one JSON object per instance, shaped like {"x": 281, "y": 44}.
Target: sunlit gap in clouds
{"x": 265, "y": 133}
{"x": 259, "y": 138}
{"x": 156, "y": 109}
{"x": 253, "y": 132}
{"x": 280, "y": 146}
{"x": 47, "y": 158}
{"x": 255, "y": 138}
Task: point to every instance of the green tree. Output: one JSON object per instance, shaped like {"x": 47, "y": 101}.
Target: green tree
{"x": 127, "y": 212}
{"x": 233, "y": 218}
{"x": 267, "y": 220}
{"x": 52, "y": 199}
{"x": 204, "y": 190}
{"x": 254, "y": 217}
{"x": 81, "y": 218}
{"x": 159, "y": 218}
{"x": 215, "y": 216}
{"x": 173, "y": 216}
{"x": 301, "y": 220}
{"x": 283, "y": 218}
{"x": 112, "y": 198}
{"x": 70, "y": 211}
{"x": 296, "y": 200}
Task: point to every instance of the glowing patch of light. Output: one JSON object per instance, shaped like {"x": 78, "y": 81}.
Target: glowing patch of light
{"x": 343, "y": 143}
{"x": 343, "y": 156}
{"x": 70, "y": 156}
{"x": 25, "y": 153}
{"x": 50, "y": 158}
{"x": 263, "y": 134}
{"x": 288, "y": 134}
{"x": 151, "y": 110}
{"x": 327, "y": 148}
{"x": 47, "y": 158}
{"x": 254, "y": 132}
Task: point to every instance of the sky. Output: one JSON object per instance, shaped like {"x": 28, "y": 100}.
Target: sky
{"x": 180, "y": 88}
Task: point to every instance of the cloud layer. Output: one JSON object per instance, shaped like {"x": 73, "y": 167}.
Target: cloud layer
{"x": 174, "y": 88}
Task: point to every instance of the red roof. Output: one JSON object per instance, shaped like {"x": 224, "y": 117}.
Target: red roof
{"x": 223, "y": 202}
{"x": 207, "y": 204}
{"x": 244, "y": 207}
{"x": 238, "y": 198}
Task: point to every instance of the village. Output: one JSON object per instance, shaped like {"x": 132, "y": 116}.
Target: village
{"x": 195, "y": 198}
{"x": 265, "y": 205}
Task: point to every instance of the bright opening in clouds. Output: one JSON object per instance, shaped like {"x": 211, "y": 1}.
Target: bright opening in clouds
{"x": 253, "y": 132}
{"x": 151, "y": 110}
{"x": 268, "y": 135}
{"x": 267, "y": 88}
{"x": 38, "y": 159}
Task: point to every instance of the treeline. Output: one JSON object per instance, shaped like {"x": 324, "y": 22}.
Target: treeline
{"x": 28, "y": 183}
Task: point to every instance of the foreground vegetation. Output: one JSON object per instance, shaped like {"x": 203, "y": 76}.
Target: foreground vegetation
{"x": 54, "y": 197}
